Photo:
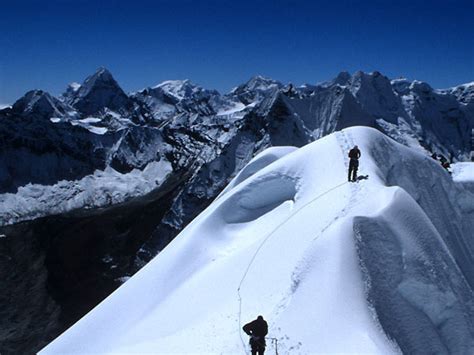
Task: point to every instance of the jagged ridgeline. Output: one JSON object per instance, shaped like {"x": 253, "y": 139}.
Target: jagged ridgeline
{"x": 94, "y": 183}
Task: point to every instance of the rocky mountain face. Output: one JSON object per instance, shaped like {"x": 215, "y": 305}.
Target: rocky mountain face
{"x": 94, "y": 183}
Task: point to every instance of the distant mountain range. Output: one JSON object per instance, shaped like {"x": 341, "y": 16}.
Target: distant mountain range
{"x": 96, "y": 124}
{"x": 96, "y": 182}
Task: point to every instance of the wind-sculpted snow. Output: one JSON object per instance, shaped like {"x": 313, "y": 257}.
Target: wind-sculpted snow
{"x": 101, "y": 189}
{"x": 376, "y": 266}
{"x": 432, "y": 188}
{"x": 258, "y": 198}
{"x": 419, "y": 293}
{"x": 258, "y": 163}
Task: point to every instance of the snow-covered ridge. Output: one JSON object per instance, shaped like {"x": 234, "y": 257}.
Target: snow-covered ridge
{"x": 464, "y": 93}
{"x": 462, "y": 86}
{"x": 379, "y": 266}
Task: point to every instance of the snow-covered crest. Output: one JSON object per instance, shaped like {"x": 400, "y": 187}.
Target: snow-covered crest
{"x": 306, "y": 248}
{"x": 464, "y": 93}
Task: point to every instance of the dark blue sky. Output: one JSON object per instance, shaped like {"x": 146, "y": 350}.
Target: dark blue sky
{"x": 219, "y": 44}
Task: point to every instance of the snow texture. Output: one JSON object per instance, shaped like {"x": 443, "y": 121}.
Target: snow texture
{"x": 380, "y": 266}
{"x": 101, "y": 189}
{"x": 463, "y": 172}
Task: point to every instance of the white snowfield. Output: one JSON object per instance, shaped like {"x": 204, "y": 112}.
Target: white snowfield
{"x": 380, "y": 266}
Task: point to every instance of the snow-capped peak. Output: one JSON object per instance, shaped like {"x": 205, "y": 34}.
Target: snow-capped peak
{"x": 421, "y": 86}
{"x": 256, "y": 89}
{"x": 39, "y": 103}
{"x": 342, "y": 79}
{"x": 464, "y": 92}
{"x": 262, "y": 83}
{"x": 463, "y": 86}
{"x": 180, "y": 89}
{"x": 99, "y": 91}
{"x": 401, "y": 86}
{"x": 74, "y": 86}
{"x": 101, "y": 76}
{"x": 361, "y": 78}
{"x": 70, "y": 92}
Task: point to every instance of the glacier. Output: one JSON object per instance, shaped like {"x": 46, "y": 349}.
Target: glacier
{"x": 381, "y": 266}
{"x": 101, "y": 189}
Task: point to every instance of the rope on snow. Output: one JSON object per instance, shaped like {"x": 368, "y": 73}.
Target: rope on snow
{"x": 273, "y": 232}
{"x": 263, "y": 243}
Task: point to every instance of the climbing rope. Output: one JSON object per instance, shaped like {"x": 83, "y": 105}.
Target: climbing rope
{"x": 263, "y": 243}
{"x": 273, "y": 232}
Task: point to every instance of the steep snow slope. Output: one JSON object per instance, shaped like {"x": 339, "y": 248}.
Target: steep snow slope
{"x": 377, "y": 266}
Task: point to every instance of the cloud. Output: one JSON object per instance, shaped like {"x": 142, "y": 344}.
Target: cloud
{"x": 2, "y": 106}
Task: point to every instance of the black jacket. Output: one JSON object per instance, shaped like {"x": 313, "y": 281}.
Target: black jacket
{"x": 258, "y": 328}
{"x": 354, "y": 153}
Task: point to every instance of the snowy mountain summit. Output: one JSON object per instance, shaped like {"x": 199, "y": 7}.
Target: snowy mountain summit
{"x": 112, "y": 177}
{"x": 379, "y": 266}
{"x": 98, "y": 91}
{"x": 180, "y": 89}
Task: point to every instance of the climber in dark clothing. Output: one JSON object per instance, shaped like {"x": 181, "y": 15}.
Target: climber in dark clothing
{"x": 257, "y": 330}
{"x": 354, "y": 155}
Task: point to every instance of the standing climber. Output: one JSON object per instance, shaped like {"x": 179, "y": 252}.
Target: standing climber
{"x": 354, "y": 155}
{"x": 257, "y": 330}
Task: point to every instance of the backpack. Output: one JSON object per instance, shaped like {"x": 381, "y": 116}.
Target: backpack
{"x": 354, "y": 153}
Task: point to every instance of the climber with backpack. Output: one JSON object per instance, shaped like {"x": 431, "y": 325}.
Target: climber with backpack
{"x": 354, "y": 155}
{"x": 257, "y": 329}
